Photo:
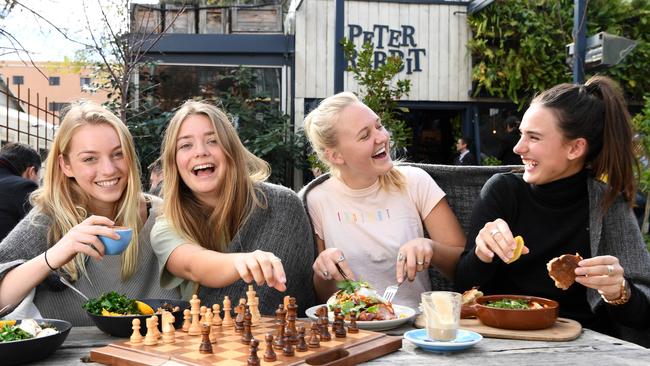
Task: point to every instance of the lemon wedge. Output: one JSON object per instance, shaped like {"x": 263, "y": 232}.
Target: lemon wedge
{"x": 110, "y": 313}
{"x": 520, "y": 246}
{"x": 144, "y": 308}
{"x": 7, "y": 322}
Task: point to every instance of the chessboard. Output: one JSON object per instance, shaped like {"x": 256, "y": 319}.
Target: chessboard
{"x": 230, "y": 349}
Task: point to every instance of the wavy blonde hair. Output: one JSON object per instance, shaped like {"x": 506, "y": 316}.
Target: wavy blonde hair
{"x": 211, "y": 229}
{"x": 66, "y": 203}
{"x": 320, "y": 129}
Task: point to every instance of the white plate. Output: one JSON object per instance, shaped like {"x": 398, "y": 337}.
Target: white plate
{"x": 404, "y": 314}
{"x": 464, "y": 339}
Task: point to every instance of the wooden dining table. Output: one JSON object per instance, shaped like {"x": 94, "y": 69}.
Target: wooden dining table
{"x": 590, "y": 348}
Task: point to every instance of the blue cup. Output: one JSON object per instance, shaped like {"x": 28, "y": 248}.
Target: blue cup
{"x": 114, "y": 247}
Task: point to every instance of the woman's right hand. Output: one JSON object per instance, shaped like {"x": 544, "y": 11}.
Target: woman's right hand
{"x": 82, "y": 239}
{"x": 326, "y": 264}
{"x": 496, "y": 238}
{"x": 263, "y": 267}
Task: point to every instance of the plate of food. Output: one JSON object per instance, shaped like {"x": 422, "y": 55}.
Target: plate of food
{"x": 464, "y": 339}
{"x": 113, "y": 313}
{"x": 516, "y": 312}
{"x": 29, "y": 340}
{"x": 373, "y": 311}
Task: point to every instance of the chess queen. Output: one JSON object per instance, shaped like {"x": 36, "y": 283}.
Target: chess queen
{"x": 91, "y": 182}
{"x": 223, "y": 224}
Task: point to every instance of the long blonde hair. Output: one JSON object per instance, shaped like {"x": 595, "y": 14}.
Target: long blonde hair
{"x": 320, "y": 129}
{"x": 66, "y": 203}
{"x": 211, "y": 229}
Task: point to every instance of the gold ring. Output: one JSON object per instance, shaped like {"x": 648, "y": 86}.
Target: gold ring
{"x": 400, "y": 257}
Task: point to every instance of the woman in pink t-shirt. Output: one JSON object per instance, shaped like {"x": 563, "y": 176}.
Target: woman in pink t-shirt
{"x": 369, "y": 216}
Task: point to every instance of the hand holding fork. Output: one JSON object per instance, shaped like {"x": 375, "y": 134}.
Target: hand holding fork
{"x": 332, "y": 265}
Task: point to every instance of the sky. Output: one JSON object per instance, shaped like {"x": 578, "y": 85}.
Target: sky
{"x": 41, "y": 39}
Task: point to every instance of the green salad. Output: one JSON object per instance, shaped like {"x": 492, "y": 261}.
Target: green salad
{"x": 10, "y": 333}
{"x": 509, "y": 304}
{"x": 112, "y": 302}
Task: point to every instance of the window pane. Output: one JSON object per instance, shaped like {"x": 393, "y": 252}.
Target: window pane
{"x": 55, "y": 80}
{"x": 18, "y": 80}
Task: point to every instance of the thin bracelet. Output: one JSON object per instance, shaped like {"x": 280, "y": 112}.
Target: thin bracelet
{"x": 48, "y": 263}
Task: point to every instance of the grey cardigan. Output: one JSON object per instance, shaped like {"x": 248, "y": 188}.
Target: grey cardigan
{"x": 29, "y": 239}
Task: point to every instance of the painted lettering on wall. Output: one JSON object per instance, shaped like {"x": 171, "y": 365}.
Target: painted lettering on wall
{"x": 391, "y": 42}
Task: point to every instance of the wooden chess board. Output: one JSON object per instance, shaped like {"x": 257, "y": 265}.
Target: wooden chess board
{"x": 229, "y": 350}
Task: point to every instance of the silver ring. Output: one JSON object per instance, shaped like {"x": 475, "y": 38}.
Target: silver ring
{"x": 610, "y": 269}
{"x": 494, "y": 232}
{"x": 325, "y": 274}
{"x": 340, "y": 259}
{"x": 400, "y": 257}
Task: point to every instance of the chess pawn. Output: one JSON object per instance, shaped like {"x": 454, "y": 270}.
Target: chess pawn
{"x": 202, "y": 314}
{"x": 253, "y": 360}
{"x": 150, "y": 339}
{"x": 340, "y": 329}
{"x": 324, "y": 331}
{"x": 136, "y": 337}
{"x": 269, "y": 354}
{"x": 302, "y": 345}
{"x": 216, "y": 317}
{"x": 227, "y": 316}
{"x": 314, "y": 338}
{"x": 155, "y": 327}
{"x": 208, "y": 321}
{"x": 353, "y": 328}
{"x": 186, "y": 320}
{"x": 247, "y": 335}
{"x": 288, "y": 347}
{"x": 279, "y": 337}
{"x": 206, "y": 346}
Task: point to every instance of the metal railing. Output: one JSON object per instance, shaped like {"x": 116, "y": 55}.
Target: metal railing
{"x": 26, "y": 119}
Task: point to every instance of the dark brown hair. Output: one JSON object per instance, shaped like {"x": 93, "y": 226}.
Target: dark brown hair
{"x": 597, "y": 112}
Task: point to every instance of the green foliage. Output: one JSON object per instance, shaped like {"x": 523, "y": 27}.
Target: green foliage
{"x": 641, "y": 123}
{"x": 519, "y": 46}
{"x": 113, "y": 302}
{"x": 379, "y": 92}
{"x": 490, "y": 160}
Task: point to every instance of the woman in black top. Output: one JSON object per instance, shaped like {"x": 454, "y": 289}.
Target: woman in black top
{"x": 575, "y": 196}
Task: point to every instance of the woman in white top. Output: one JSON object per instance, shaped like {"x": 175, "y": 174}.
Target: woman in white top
{"x": 369, "y": 217}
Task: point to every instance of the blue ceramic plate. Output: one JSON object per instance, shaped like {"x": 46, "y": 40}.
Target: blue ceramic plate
{"x": 464, "y": 339}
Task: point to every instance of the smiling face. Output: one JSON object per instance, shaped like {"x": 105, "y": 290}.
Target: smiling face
{"x": 96, "y": 161}
{"x": 546, "y": 154}
{"x": 362, "y": 152}
{"x": 200, "y": 160}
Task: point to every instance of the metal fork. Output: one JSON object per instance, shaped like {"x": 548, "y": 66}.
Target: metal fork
{"x": 65, "y": 282}
{"x": 390, "y": 292}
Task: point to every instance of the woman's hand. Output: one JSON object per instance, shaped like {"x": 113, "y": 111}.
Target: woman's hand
{"x": 263, "y": 267}
{"x": 415, "y": 256}
{"x": 496, "y": 238}
{"x": 603, "y": 273}
{"x": 83, "y": 238}
{"x": 325, "y": 265}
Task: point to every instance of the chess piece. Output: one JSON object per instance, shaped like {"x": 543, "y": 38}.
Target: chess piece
{"x": 195, "y": 310}
{"x": 202, "y": 314}
{"x": 324, "y": 332}
{"x": 136, "y": 337}
{"x": 168, "y": 331}
{"x": 340, "y": 327}
{"x": 227, "y": 316}
{"x": 353, "y": 328}
{"x": 216, "y": 318}
{"x": 314, "y": 338}
{"x": 253, "y": 302}
{"x": 253, "y": 360}
{"x": 155, "y": 327}
{"x": 151, "y": 339}
{"x": 186, "y": 320}
{"x": 288, "y": 347}
{"x": 280, "y": 323}
{"x": 206, "y": 346}
{"x": 286, "y": 301}
{"x": 269, "y": 354}
{"x": 247, "y": 335}
{"x": 208, "y": 321}
{"x": 302, "y": 345}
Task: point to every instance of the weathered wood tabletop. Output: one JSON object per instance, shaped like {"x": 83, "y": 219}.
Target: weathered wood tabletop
{"x": 591, "y": 348}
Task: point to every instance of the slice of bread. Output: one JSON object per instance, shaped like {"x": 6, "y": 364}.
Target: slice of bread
{"x": 562, "y": 269}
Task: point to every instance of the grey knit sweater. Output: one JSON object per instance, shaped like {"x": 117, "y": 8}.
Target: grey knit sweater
{"x": 282, "y": 229}
{"x": 29, "y": 239}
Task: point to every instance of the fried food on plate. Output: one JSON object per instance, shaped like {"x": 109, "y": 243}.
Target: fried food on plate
{"x": 562, "y": 269}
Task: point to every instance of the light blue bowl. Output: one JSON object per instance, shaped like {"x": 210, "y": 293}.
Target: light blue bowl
{"x": 114, "y": 247}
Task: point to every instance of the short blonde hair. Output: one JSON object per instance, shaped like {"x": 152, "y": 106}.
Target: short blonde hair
{"x": 211, "y": 229}
{"x": 62, "y": 199}
{"x": 320, "y": 128}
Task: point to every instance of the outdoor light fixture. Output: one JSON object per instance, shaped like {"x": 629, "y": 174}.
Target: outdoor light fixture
{"x": 603, "y": 49}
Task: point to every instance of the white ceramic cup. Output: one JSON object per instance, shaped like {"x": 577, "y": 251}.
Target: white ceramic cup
{"x": 442, "y": 314}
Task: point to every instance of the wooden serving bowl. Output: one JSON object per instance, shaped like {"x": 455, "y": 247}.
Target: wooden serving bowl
{"x": 524, "y": 319}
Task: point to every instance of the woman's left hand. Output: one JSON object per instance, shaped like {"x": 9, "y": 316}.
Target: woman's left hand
{"x": 414, "y": 256}
{"x": 603, "y": 273}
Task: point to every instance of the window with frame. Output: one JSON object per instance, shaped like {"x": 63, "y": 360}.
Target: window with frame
{"x": 18, "y": 80}
{"x": 54, "y": 80}
{"x": 57, "y": 107}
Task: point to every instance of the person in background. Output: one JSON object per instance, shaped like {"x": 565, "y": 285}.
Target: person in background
{"x": 575, "y": 196}
{"x": 369, "y": 215}
{"x": 223, "y": 225}
{"x": 91, "y": 182}
{"x": 465, "y": 157}
{"x": 506, "y": 154}
{"x": 19, "y": 167}
{"x": 155, "y": 177}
